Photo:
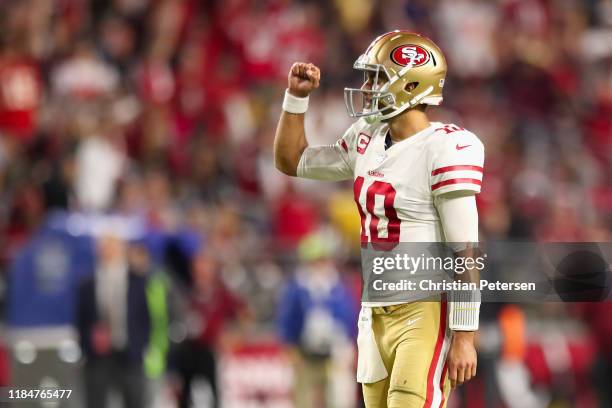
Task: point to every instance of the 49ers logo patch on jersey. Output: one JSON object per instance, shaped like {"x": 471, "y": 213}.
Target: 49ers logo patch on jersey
{"x": 363, "y": 142}
{"x": 410, "y": 53}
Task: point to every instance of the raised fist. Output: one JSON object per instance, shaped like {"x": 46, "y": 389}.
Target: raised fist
{"x": 303, "y": 79}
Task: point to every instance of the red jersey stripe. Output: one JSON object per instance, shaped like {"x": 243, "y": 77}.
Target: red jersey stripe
{"x": 344, "y": 146}
{"x": 456, "y": 181}
{"x": 455, "y": 168}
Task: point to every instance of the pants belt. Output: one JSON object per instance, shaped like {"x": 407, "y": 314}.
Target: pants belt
{"x": 386, "y": 309}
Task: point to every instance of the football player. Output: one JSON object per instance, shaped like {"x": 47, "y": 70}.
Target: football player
{"x": 414, "y": 181}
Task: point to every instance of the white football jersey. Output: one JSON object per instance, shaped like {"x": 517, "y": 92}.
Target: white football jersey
{"x": 395, "y": 187}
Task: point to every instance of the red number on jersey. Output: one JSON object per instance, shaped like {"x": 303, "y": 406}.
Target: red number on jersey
{"x": 357, "y": 186}
{"x": 450, "y": 128}
{"x": 393, "y": 222}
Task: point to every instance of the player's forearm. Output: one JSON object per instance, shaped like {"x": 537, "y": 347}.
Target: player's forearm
{"x": 290, "y": 139}
{"x": 459, "y": 218}
{"x": 289, "y": 142}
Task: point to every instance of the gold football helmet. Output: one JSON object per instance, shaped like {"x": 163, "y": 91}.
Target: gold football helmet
{"x": 402, "y": 70}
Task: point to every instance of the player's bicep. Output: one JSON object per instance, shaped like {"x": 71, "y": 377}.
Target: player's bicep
{"x": 329, "y": 162}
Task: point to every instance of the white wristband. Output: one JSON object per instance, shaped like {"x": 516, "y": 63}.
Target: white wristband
{"x": 464, "y": 310}
{"x": 294, "y": 104}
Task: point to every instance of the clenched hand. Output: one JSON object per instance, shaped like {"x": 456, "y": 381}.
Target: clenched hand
{"x": 303, "y": 79}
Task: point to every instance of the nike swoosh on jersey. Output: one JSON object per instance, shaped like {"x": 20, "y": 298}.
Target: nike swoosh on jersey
{"x": 461, "y": 147}
{"x": 410, "y": 322}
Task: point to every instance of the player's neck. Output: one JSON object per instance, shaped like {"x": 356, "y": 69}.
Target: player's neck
{"x": 408, "y": 124}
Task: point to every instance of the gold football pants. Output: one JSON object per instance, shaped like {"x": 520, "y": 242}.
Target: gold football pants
{"x": 413, "y": 340}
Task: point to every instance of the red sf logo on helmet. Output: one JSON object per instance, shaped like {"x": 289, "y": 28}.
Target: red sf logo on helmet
{"x": 409, "y": 53}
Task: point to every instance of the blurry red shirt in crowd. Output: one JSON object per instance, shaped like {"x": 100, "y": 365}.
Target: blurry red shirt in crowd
{"x": 213, "y": 312}
{"x": 597, "y": 317}
{"x": 270, "y": 38}
{"x": 156, "y": 82}
{"x": 20, "y": 96}
{"x": 598, "y": 129}
{"x": 4, "y": 366}
{"x": 293, "y": 219}
{"x": 212, "y": 304}
{"x": 580, "y": 353}
{"x": 25, "y": 213}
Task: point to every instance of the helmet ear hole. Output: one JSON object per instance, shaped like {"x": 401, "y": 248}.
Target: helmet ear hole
{"x": 411, "y": 86}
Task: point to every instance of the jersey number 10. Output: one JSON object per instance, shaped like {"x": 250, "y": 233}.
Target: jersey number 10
{"x": 386, "y": 190}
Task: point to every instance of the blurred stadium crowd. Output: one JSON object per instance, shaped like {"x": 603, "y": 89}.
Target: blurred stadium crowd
{"x": 143, "y": 130}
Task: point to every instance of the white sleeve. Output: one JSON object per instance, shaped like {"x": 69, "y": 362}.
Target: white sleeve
{"x": 332, "y": 162}
{"x": 457, "y": 163}
{"x": 459, "y": 217}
